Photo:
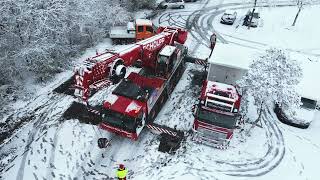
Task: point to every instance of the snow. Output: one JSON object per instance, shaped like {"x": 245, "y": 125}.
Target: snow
{"x": 241, "y": 44}
{"x": 121, "y": 32}
{"x": 229, "y": 12}
{"x": 49, "y": 147}
{"x": 111, "y": 98}
{"x": 308, "y": 87}
{"x": 133, "y": 107}
{"x": 222, "y": 87}
{"x": 143, "y": 22}
{"x": 303, "y": 115}
{"x": 167, "y": 51}
{"x": 102, "y": 57}
{"x": 131, "y": 26}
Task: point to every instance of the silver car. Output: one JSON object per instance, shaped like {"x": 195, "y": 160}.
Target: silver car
{"x": 172, "y": 4}
{"x": 228, "y": 17}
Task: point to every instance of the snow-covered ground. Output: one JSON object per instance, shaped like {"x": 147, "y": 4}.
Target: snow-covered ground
{"x": 48, "y": 147}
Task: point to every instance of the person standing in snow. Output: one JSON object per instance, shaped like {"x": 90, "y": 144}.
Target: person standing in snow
{"x": 122, "y": 172}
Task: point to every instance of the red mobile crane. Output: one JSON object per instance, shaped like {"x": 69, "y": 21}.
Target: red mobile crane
{"x": 138, "y": 99}
{"x": 110, "y": 67}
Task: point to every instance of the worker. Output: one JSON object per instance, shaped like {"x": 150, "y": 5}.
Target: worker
{"x": 213, "y": 40}
{"x": 122, "y": 172}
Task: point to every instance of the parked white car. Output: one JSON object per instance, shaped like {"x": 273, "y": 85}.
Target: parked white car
{"x": 171, "y": 4}
{"x": 228, "y": 17}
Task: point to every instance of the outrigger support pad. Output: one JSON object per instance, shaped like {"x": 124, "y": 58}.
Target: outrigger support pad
{"x": 170, "y": 144}
{"x": 104, "y": 143}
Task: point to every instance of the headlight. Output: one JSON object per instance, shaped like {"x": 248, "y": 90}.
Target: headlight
{"x": 202, "y": 102}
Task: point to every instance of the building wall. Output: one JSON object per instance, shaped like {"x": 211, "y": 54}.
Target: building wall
{"x": 223, "y": 74}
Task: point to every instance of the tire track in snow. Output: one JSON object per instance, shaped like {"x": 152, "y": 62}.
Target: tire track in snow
{"x": 42, "y": 118}
{"x": 52, "y": 154}
{"x": 273, "y": 157}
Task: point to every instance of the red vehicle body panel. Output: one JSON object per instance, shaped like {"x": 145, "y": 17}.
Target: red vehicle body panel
{"x": 122, "y": 103}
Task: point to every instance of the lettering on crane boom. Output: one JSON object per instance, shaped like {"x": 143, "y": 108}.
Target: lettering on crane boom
{"x": 154, "y": 44}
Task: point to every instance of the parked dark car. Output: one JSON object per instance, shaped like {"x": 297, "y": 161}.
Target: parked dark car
{"x": 255, "y": 19}
{"x": 228, "y": 17}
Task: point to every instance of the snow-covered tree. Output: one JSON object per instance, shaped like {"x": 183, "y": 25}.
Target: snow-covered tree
{"x": 272, "y": 78}
{"x": 134, "y": 5}
{"x": 38, "y": 38}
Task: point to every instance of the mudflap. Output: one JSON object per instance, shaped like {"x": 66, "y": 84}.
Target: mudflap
{"x": 170, "y": 144}
{"x": 85, "y": 114}
{"x": 66, "y": 87}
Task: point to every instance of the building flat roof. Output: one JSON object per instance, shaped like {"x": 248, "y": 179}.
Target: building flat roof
{"x": 233, "y": 56}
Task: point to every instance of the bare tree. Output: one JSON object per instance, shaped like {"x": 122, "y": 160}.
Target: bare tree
{"x": 253, "y": 10}
{"x": 300, "y": 5}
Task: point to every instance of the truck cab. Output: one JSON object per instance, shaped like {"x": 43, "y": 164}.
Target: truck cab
{"x": 144, "y": 29}
{"x": 126, "y": 111}
{"x": 135, "y": 31}
{"x": 216, "y": 114}
{"x": 137, "y": 100}
{"x": 165, "y": 60}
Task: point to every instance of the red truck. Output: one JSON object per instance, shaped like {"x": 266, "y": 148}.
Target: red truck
{"x": 217, "y": 114}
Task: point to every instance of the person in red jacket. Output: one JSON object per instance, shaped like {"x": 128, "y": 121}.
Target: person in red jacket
{"x": 122, "y": 172}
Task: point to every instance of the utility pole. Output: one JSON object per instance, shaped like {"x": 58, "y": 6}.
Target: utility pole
{"x": 254, "y": 8}
{"x": 300, "y": 4}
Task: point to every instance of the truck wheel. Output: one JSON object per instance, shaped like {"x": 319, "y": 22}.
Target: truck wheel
{"x": 165, "y": 7}
{"x": 182, "y": 7}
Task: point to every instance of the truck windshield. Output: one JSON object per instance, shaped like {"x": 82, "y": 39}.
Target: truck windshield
{"x": 119, "y": 120}
{"x": 131, "y": 90}
{"x": 216, "y": 119}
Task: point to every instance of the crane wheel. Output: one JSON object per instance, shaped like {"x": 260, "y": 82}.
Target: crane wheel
{"x": 117, "y": 71}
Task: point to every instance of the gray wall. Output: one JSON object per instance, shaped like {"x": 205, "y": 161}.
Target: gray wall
{"x": 223, "y": 74}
